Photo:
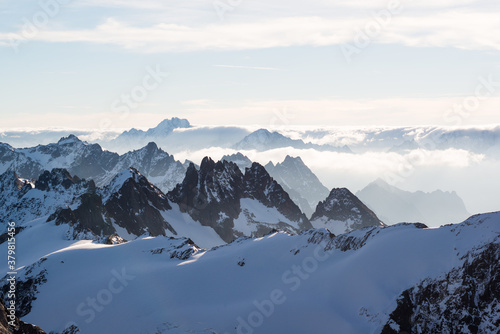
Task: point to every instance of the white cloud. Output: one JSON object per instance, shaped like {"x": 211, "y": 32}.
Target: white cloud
{"x": 451, "y": 28}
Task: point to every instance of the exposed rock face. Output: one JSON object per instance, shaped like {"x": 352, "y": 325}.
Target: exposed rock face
{"x": 56, "y": 178}
{"x": 343, "y": 212}
{"x": 136, "y": 205}
{"x": 465, "y": 300}
{"x": 20, "y": 327}
{"x": 88, "y": 217}
{"x": 304, "y": 188}
{"x": 129, "y": 207}
{"x": 213, "y": 196}
{"x": 130, "y": 201}
{"x": 259, "y": 185}
{"x": 27, "y": 285}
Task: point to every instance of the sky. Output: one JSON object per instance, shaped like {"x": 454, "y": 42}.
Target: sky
{"x": 80, "y": 63}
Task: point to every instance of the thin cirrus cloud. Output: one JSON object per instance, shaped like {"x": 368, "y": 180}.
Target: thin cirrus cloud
{"x": 453, "y": 28}
{"x": 250, "y": 67}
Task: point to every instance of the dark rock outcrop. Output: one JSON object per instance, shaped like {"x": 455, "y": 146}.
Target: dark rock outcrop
{"x": 212, "y": 195}
{"x": 130, "y": 201}
{"x": 465, "y": 300}
{"x": 20, "y": 327}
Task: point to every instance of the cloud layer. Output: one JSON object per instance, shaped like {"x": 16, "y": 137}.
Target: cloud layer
{"x": 241, "y": 26}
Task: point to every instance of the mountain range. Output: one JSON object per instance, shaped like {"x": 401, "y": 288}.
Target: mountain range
{"x": 214, "y": 204}
{"x": 178, "y": 134}
{"x": 141, "y": 243}
{"x": 90, "y": 161}
{"x": 303, "y": 186}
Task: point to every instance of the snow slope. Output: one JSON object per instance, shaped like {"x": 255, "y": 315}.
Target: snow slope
{"x": 309, "y": 283}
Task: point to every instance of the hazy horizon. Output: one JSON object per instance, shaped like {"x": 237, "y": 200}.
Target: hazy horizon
{"x": 119, "y": 64}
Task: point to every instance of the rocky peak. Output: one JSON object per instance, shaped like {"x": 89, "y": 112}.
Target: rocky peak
{"x": 131, "y": 182}
{"x": 130, "y": 201}
{"x": 238, "y": 158}
{"x": 136, "y": 205}
{"x": 292, "y": 161}
{"x": 55, "y": 178}
{"x": 258, "y": 184}
{"x": 168, "y": 125}
{"x": 6, "y": 147}
{"x": 69, "y": 140}
{"x": 303, "y": 186}
{"x": 213, "y": 195}
{"x": 219, "y": 180}
{"x": 53, "y": 190}
{"x": 151, "y": 147}
{"x": 342, "y": 211}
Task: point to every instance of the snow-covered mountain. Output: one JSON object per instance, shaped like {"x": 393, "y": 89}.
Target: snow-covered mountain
{"x": 303, "y": 186}
{"x": 22, "y": 201}
{"x": 80, "y": 158}
{"x": 177, "y": 135}
{"x": 234, "y": 204}
{"x": 263, "y": 140}
{"x": 213, "y": 205}
{"x": 366, "y": 281}
{"x": 299, "y": 182}
{"x": 394, "y": 205}
{"x": 481, "y": 139}
{"x": 465, "y": 299}
{"x": 158, "y": 166}
{"x": 343, "y": 212}
{"x": 129, "y": 207}
{"x": 138, "y": 138}
{"x": 90, "y": 161}
{"x": 12, "y": 160}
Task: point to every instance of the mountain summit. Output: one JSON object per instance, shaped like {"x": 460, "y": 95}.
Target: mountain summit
{"x": 343, "y": 212}
{"x": 234, "y": 204}
{"x": 299, "y": 182}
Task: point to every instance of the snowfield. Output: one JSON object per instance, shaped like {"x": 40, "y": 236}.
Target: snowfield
{"x": 308, "y": 283}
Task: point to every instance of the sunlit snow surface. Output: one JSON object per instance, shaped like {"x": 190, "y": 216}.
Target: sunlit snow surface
{"x": 348, "y": 291}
